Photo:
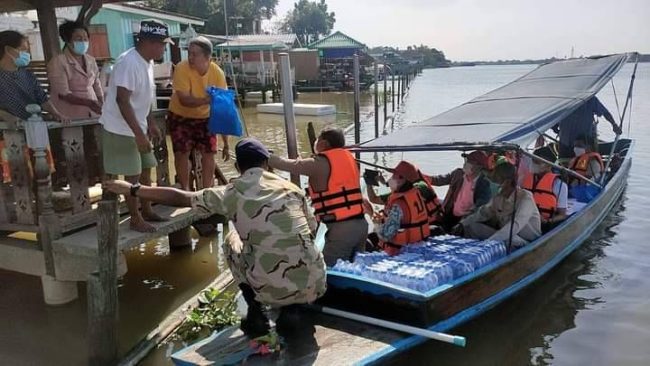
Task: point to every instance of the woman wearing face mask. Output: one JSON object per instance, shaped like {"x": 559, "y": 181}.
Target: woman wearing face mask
{"x": 405, "y": 219}
{"x": 469, "y": 188}
{"x": 548, "y": 189}
{"x": 492, "y": 221}
{"x": 19, "y": 85}
{"x": 75, "y": 85}
{"x": 586, "y": 162}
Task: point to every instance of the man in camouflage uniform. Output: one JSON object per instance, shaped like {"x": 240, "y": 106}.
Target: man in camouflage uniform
{"x": 271, "y": 254}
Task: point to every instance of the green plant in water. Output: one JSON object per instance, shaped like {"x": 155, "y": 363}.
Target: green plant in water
{"x": 216, "y": 311}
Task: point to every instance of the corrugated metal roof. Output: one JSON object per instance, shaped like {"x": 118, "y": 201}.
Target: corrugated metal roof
{"x": 337, "y": 40}
{"x": 256, "y": 41}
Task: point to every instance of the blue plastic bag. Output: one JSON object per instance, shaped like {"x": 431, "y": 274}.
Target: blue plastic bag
{"x": 224, "y": 117}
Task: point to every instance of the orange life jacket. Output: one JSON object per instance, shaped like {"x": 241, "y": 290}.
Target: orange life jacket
{"x": 543, "y": 194}
{"x": 414, "y": 226}
{"x": 580, "y": 164}
{"x": 433, "y": 206}
{"x": 342, "y": 200}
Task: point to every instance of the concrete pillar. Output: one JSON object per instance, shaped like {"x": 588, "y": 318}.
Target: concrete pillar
{"x": 58, "y": 292}
{"x": 180, "y": 239}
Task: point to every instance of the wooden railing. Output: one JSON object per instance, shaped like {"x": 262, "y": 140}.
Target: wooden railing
{"x": 77, "y": 153}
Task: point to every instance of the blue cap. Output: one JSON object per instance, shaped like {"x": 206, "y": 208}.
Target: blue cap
{"x": 250, "y": 150}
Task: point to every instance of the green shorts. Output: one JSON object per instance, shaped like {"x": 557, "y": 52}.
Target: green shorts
{"x": 121, "y": 155}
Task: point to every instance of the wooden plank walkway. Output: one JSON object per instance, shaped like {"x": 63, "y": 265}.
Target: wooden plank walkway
{"x": 336, "y": 341}
{"x": 84, "y": 242}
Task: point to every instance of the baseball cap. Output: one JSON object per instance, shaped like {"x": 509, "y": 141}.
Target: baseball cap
{"x": 250, "y": 150}
{"x": 546, "y": 153}
{"x": 154, "y": 29}
{"x": 408, "y": 171}
{"x": 477, "y": 158}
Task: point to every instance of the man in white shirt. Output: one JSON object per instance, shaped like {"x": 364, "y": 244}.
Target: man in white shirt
{"x": 493, "y": 220}
{"x": 125, "y": 117}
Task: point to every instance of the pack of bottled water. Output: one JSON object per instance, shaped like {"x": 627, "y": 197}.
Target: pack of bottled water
{"x": 425, "y": 265}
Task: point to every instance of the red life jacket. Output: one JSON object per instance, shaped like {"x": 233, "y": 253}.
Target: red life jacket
{"x": 543, "y": 194}
{"x": 342, "y": 200}
{"x": 433, "y": 205}
{"x": 414, "y": 226}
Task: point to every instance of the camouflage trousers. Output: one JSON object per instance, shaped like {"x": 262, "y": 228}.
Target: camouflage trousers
{"x": 278, "y": 279}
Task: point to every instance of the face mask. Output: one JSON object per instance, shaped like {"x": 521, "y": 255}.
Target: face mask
{"x": 23, "y": 59}
{"x": 80, "y": 47}
{"x": 393, "y": 184}
{"x": 579, "y": 151}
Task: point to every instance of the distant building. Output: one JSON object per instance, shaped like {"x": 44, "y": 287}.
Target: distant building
{"x": 253, "y": 55}
{"x": 112, "y": 29}
{"x": 337, "y": 45}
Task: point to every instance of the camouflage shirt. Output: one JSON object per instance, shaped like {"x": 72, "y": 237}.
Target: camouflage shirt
{"x": 275, "y": 223}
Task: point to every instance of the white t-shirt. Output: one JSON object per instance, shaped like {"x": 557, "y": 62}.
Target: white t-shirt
{"x": 561, "y": 191}
{"x": 134, "y": 73}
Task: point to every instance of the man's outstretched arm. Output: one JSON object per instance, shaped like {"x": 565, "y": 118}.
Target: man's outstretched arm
{"x": 165, "y": 195}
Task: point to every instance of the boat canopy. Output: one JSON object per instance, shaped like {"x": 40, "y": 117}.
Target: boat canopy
{"x": 512, "y": 115}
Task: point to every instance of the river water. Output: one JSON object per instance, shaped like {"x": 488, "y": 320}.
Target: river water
{"x": 594, "y": 308}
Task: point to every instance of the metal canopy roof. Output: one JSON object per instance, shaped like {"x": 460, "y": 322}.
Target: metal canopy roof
{"x": 513, "y": 115}
{"x": 336, "y": 40}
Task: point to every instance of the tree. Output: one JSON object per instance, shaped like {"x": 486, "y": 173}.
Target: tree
{"x": 246, "y": 12}
{"x": 309, "y": 20}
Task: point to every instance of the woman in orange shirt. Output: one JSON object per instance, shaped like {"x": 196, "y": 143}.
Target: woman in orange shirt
{"x": 189, "y": 110}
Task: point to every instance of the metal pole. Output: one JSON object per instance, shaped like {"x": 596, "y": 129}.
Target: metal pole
{"x": 447, "y": 338}
{"x": 618, "y": 136}
{"x": 289, "y": 117}
{"x": 560, "y": 167}
{"x": 392, "y": 89}
{"x": 376, "y": 99}
{"x": 357, "y": 92}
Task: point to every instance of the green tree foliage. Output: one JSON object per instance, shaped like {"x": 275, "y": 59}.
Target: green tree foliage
{"x": 309, "y": 20}
{"x": 239, "y": 11}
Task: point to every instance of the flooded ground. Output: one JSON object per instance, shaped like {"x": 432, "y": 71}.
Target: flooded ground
{"x": 592, "y": 309}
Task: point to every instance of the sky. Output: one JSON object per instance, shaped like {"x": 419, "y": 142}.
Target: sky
{"x": 496, "y": 29}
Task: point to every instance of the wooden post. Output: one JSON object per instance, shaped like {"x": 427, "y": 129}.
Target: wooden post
{"x": 376, "y": 99}
{"x": 102, "y": 290}
{"x": 36, "y": 134}
{"x": 392, "y": 89}
{"x": 289, "y": 117}
{"x": 48, "y": 28}
{"x": 399, "y": 89}
{"x": 357, "y": 93}
{"x": 385, "y": 96}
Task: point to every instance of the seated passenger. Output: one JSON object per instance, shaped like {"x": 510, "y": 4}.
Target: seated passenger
{"x": 469, "y": 189}
{"x": 404, "y": 219}
{"x": 431, "y": 201}
{"x": 549, "y": 191}
{"x": 492, "y": 221}
{"x": 586, "y": 162}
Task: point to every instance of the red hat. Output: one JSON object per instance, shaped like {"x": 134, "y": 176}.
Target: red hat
{"x": 407, "y": 171}
{"x": 478, "y": 158}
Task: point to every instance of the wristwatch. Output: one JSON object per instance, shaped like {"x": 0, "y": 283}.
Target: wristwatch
{"x": 134, "y": 189}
